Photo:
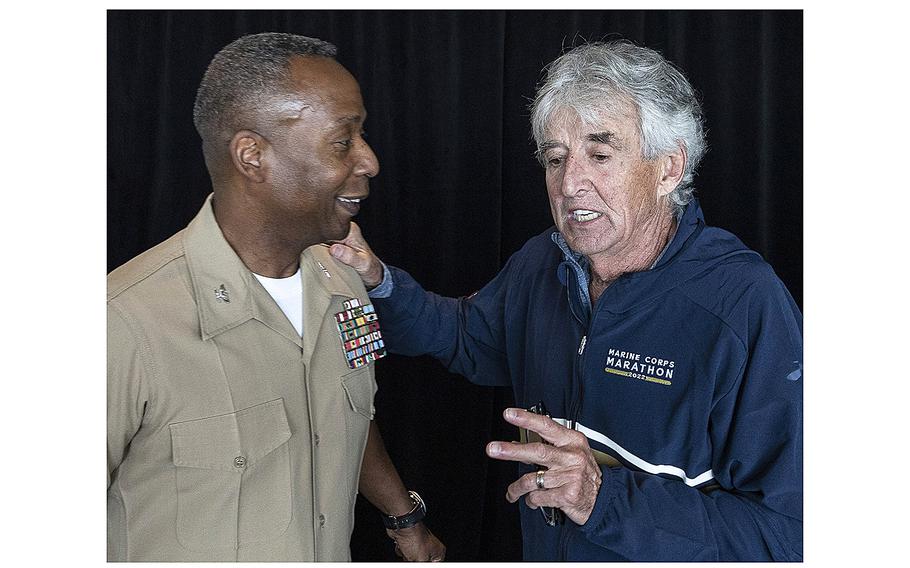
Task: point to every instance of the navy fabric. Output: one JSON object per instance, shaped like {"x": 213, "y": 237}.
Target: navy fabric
{"x": 691, "y": 376}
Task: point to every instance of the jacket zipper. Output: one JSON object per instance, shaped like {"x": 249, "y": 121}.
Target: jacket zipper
{"x": 575, "y": 410}
{"x": 563, "y": 532}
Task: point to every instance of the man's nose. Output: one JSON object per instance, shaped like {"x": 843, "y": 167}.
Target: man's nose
{"x": 575, "y": 178}
{"x": 367, "y": 162}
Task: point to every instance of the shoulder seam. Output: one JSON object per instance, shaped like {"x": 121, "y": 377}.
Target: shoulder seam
{"x": 112, "y": 294}
{"x": 689, "y": 297}
{"x": 145, "y": 350}
{"x": 742, "y": 342}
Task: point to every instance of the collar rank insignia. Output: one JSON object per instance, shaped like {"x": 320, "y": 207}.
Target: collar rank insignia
{"x": 358, "y": 328}
{"x": 221, "y": 294}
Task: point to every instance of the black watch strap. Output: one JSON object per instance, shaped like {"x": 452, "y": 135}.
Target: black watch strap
{"x": 410, "y": 518}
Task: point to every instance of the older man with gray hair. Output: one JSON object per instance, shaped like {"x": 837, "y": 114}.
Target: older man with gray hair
{"x": 668, "y": 354}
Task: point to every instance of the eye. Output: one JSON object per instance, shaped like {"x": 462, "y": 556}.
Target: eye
{"x": 600, "y": 157}
{"x": 345, "y": 144}
{"x": 554, "y": 161}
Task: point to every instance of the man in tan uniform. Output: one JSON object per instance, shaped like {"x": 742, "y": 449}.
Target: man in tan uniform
{"x": 240, "y": 354}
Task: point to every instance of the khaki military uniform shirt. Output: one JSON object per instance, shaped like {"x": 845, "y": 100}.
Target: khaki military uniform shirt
{"x": 230, "y": 437}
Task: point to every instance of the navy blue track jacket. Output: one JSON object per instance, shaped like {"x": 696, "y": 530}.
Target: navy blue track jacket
{"x": 688, "y": 373}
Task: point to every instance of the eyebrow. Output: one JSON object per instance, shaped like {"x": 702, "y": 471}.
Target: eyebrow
{"x": 351, "y": 118}
{"x": 605, "y": 137}
{"x": 544, "y": 146}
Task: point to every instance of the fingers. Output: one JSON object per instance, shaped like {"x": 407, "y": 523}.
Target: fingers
{"x": 572, "y": 479}
{"x": 574, "y": 492}
{"x": 345, "y": 254}
{"x": 356, "y": 253}
{"x": 538, "y": 453}
{"x": 354, "y": 238}
{"x": 548, "y": 429}
{"x": 417, "y": 544}
{"x": 532, "y": 453}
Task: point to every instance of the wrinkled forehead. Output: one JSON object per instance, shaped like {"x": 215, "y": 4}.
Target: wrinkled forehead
{"x": 578, "y": 120}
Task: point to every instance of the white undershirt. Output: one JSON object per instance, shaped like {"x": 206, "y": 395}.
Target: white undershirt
{"x": 288, "y": 294}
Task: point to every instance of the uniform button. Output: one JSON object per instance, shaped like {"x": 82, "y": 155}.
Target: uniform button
{"x": 321, "y": 521}
{"x": 239, "y": 461}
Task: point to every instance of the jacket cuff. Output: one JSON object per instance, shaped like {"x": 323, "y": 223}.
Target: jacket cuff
{"x": 384, "y": 289}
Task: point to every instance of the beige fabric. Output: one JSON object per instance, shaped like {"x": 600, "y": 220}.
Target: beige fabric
{"x": 230, "y": 437}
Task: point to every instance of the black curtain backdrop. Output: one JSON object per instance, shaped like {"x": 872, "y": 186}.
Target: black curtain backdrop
{"x": 459, "y": 191}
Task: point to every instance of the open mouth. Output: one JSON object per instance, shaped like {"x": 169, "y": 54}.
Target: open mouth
{"x": 584, "y": 215}
{"x": 349, "y": 199}
{"x": 350, "y": 204}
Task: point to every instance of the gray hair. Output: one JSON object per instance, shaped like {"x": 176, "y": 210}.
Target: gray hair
{"x": 598, "y": 77}
{"x": 244, "y": 74}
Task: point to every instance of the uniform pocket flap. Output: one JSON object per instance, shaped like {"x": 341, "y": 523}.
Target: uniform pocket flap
{"x": 360, "y": 388}
{"x": 231, "y": 442}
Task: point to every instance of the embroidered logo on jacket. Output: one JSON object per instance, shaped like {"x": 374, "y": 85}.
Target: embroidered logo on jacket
{"x": 358, "y": 328}
{"x": 635, "y": 366}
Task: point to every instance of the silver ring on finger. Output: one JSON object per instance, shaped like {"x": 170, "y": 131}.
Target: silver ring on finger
{"x": 539, "y": 479}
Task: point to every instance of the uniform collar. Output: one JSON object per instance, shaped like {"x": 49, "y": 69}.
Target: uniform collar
{"x": 227, "y": 294}
{"x": 220, "y": 280}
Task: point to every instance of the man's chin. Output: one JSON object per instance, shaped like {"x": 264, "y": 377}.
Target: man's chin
{"x": 585, "y": 245}
{"x": 339, "y": 233}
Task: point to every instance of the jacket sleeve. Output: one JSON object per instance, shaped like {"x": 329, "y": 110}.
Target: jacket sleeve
{"x": 756, "y": 433}
{"x": 127, "y": 393}
{"x": 465, "y": 334}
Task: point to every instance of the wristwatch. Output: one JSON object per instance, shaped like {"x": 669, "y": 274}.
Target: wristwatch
{"x": 410, "y": 518}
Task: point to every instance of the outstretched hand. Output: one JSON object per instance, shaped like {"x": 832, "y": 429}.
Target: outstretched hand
{"x": 572, "y": 478}
{"x": 356, "y": 253}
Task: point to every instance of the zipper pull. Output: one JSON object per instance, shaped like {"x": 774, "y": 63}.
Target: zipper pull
{"x": 581, "y": 347}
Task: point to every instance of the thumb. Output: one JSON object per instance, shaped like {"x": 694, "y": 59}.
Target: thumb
{"x": 356, "y": 253}
{"x": 354, "y": 238}
{"x": 346, "y": 254}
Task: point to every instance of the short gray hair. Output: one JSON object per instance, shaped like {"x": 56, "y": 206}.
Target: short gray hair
{"x": 599, "y": 76}
{"x": 245, "y": 73}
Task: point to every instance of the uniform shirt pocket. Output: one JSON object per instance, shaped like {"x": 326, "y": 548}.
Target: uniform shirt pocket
{"x": 360, "y": 388}
{"x": 233, "y": 477}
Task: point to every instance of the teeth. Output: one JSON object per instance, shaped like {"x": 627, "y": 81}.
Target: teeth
{"x": 582, "y": 215}
{"x": 347, "y": 200}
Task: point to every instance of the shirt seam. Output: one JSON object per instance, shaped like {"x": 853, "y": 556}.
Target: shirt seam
{"x": 145, "y": 350}
{"x": 145, "y": 274}
{"x": 741, "y": 342}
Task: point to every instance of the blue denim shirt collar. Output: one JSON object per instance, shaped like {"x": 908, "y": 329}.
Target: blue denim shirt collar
{"x": 578, "y": 263}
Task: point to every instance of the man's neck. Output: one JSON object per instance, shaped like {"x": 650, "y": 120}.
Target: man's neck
{"x": 651, "y": 238}
{"x": 258, "y": 241}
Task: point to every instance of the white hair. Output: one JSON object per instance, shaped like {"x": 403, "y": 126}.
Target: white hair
{"x": 598, "y": 77}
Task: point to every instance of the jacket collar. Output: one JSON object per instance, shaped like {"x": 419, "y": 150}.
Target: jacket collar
{"x": 228, "y": 295}
{"x": 692, "y": 221}
{"x": 686, "y": 225}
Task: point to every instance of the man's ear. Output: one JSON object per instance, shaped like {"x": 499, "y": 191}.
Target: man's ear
{"x": 672, "y": 167}
{"x": 247, "y": 149}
